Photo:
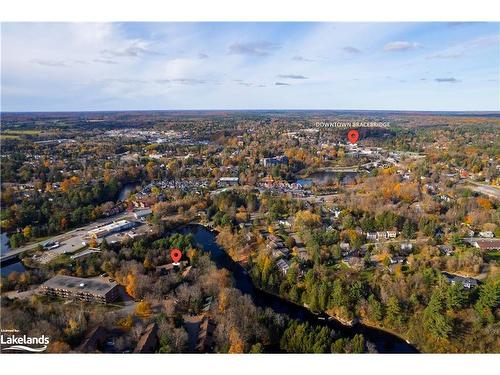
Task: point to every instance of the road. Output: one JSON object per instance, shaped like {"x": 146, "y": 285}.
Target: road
{"x": 488, "y": 190}
{"x": 70, "y": 241}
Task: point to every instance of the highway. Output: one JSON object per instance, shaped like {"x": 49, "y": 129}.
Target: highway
{"x": 69, "y": 241}
{"x": 488, "y": 190}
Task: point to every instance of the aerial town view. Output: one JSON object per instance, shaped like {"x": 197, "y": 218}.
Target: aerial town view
{"x": 212, "y": 228}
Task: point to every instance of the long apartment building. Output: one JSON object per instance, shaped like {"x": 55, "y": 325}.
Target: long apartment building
{"x": 91, "y": 290}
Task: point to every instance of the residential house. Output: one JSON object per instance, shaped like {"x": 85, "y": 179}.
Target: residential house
{"x": 274, "y": 161}
{"x": 493, "y": 244}
{"x": 205, "y": 341}
{"x": 281, "y": 252}
{"x": 344, "y": 246}
{"x": 354, "y": 262}
{"x": 336, "y": 213}
{"x": 228, "y": 181}
{"x": 445, "y": 198}
{"x": 148, "y": 341}
{"x": 486, "y": 234}
{"x": 467, "y": 282}
{"x": 397, "y": 259}
{"x": 302, "y": 254}
{"x": 93, "y": 340}
{"x": 406, "y": 247}
{"x": 393, "y": 233}
{"x": 446, "y": 250}
{"x": 283, "y": 266}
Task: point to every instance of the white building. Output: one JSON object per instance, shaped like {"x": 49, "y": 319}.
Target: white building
{"x": 228, "y": 181}
{"x": 113, "y": 227}
{"x": 486, "y": 234}
{"x": 142, "y": 214}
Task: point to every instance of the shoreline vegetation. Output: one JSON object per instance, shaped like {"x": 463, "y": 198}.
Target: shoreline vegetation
{"x": 384, "y": 236}
{"x": 345, "y": 323}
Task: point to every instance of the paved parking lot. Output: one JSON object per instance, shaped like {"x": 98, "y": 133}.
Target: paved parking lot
{"x": 69, "y": 245}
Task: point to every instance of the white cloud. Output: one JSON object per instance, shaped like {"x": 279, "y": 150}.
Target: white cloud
{"x": 257, "y": 48}
{"x": 447, "y": 80}
{"x": 401, "y": 46}
{"x": 110, "y": 66}
{"x": 292, "y": 76}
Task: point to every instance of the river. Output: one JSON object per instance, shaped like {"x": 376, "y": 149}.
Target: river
{"x": 9, "y": 267}
{"x": 17, "y": 266}
{"x": 324, "y": 178}
{"x": 126, "y": 190}
{"x": 205, "y": 239}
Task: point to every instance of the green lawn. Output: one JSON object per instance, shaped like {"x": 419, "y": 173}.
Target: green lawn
{"x": 21, "y": 132}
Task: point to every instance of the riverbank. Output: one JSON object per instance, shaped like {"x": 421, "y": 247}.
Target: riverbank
{"x": 384, "y": 341}
{"x": 346, "y": 323}
{"x": 385, "y": 329}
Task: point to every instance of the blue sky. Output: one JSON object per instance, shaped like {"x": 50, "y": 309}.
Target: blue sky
{"x": 120, "y": 66}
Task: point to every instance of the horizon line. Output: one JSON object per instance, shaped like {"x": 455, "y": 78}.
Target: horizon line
{"x": 493, "y": 111}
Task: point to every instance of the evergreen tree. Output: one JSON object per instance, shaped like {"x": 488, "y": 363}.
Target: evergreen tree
{"x": 435, "y": 322}
{"x": 375, "y": 309}
{"x": 489, "y": 299}
{"x": 408, "y": 230}
{"x": 456, "y": 296}
{"x": 393, "y": 311}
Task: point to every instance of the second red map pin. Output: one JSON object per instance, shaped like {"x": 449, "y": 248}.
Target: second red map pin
{"x": 176, "y": 255}
{"x": 353, "y": 136}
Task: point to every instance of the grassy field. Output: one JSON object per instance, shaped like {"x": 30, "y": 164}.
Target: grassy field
{"x": 15, "y": 134}
{"x": 21, "y": 132}
{"x": 8, "y": 136}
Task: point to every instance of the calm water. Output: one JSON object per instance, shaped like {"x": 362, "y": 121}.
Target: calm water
{"x": 7, "y": 268}
{"x": 383, "y": 341}
{"x": 127, "y": 190}
{"x": 324, "y": 178}
{"x": 205, "y": 239}
{"x": 4, "y": 243}
{"x": 14, "y": 267}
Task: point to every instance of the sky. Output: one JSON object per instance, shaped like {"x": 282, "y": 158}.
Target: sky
{"x": 175, "y": 66}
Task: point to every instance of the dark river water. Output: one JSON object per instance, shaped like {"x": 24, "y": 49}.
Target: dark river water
{"x": 383, "y": 341}
{"x": 9, "y": 267}
{"x": 324, "y": 178}
{"x": 205, "y": 239}
{"x": 127, "y": 190}
{"x": 15, "y": 265}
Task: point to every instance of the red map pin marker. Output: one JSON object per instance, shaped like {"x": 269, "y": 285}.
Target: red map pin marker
{"x": 353, "y": 136}
{"x": 176, "y": 255}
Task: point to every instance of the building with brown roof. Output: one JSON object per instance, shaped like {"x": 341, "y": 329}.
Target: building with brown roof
{"x": 205, "y": 340}
{"x": 93, "y": 340}
{"x": 487, "y": 244}
{"x": 148, "y": 343}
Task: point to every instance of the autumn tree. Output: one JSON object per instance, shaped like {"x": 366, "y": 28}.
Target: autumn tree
{"x": 236, "y": 344}
{"x": 143, "y": 309}
{"x": 306, "y": 220}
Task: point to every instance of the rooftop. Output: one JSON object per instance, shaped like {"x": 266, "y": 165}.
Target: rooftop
{"x": 488, "y": 244}
{"x": 78, "y": 284}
